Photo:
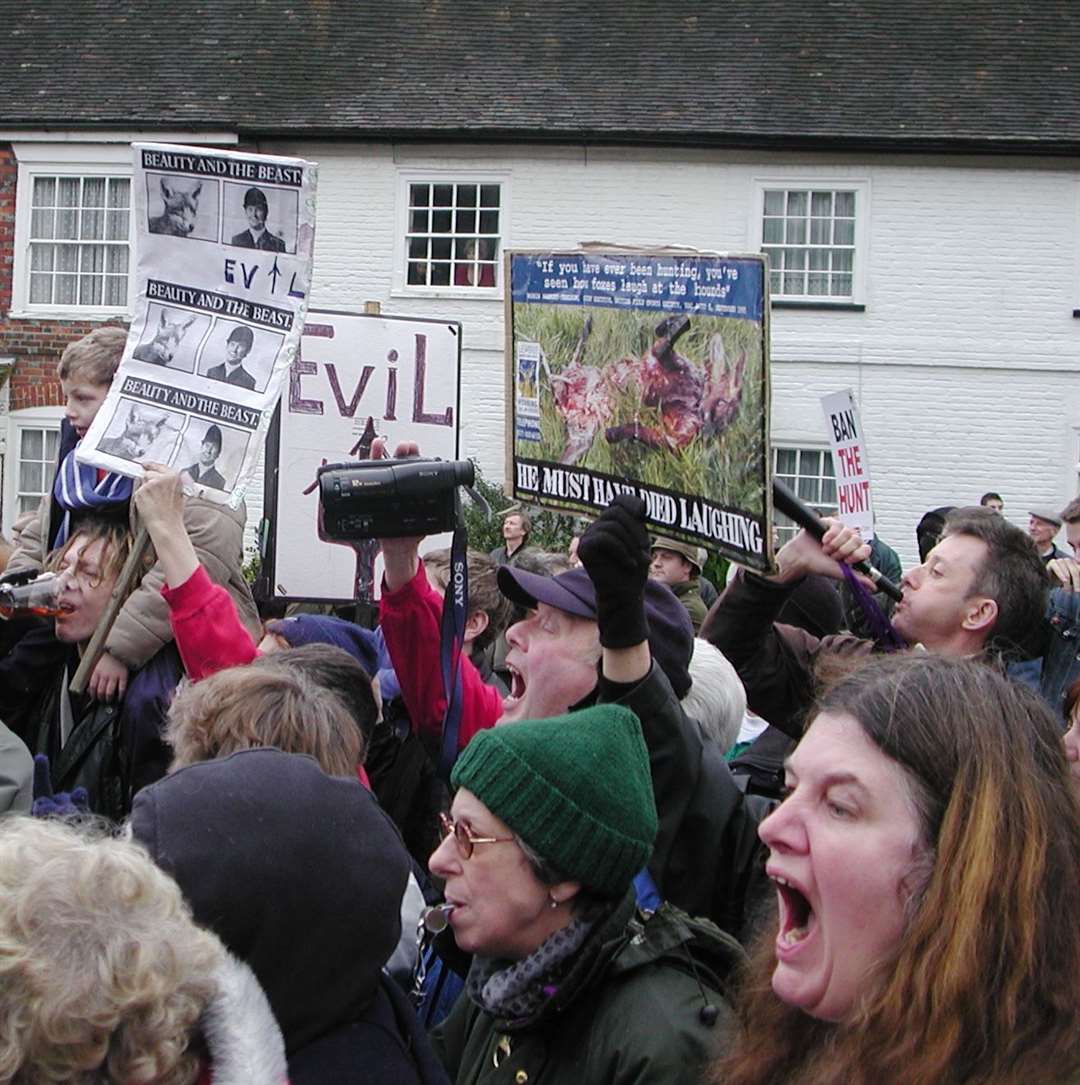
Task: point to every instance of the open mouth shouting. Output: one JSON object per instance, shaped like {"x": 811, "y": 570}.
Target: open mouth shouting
{"x": 798, "y": 921}
{"x": 512, "y": 702}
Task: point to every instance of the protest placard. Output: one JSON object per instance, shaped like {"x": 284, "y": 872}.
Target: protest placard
{"x": 644, "y": 372}
{"x": 223, "y": 246}
{"x": 357, "y": 377}
{"x": 851, "y": 464}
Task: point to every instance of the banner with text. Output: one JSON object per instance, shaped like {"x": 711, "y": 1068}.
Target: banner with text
{"x": 851, "y": 464}
{"x": 646, "y": 373}
{"x": 223, "y": 245}
{"x": 357, "y": 377}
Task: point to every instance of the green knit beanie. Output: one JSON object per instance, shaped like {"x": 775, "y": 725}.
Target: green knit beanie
{"x": 576, "y": 788}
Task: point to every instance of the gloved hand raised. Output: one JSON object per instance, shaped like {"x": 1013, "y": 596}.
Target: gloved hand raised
{"x": 615, "y": 553}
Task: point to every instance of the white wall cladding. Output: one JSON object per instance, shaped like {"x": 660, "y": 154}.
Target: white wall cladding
{"x": 965, "y": 361}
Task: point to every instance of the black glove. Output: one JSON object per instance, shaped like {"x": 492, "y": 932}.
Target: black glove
{"x": 615, "y": 553}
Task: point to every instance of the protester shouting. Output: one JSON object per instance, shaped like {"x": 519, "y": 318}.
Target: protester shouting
{"x": 602, "y": 632}
{"x": 927, "y": 865}
{"x": 980, "y": 591}
{"x": 569, "y": 985}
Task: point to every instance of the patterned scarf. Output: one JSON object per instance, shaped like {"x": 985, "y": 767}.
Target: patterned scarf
{"x": 77, "y": 487}
{"x": 518, "y": 990}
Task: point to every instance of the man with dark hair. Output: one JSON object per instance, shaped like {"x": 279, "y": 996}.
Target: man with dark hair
{"x": 991, "y": 500}
{"x": 1043, "y": 525}
{"x": 237, "y": 348}
{"x": 981, "y": 589}
{"x": 257, "y": 236}
{"x": 204, "y": 471}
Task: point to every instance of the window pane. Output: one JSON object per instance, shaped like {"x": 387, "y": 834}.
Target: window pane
{"x": 785, "y": 461}
{"x": 44, "y": 192}
{"x": 52, "y": 444}
{"x": 420, "y": 195}
{"x": 43, "y": 222}
{"x": 67, "y": 257}
{"x": 116, "y": 287}
{"x": 796, "y": 204}
{"x": 774, "y": 201}
{"x": 417, "y": 274}
{"x": 418, "y": 222}
{"x": 772, "y": 231}
{"x": 30, "y": 477}
{"x": 444, "y": 195}
{"x": 440, "y": 222}
{"x": 489, "y": 222}
{"x": 841, "y": 286}
{"x": 466, "y": 195}
{"x": 66, "y": 289}
{"x": 119, "y": 192}
{"x": 842, "y": 260}
{"x": 828, "y": 492}
{"x": 116, "y": 259}
{"x": 821, "y": 204}
{"x": 32, "y": 444}
{"x": 819, "y": 231}
{"x": 844, "y": 233}
{"x": 440, "y": 274}
{"x": 817, "y": 284}
{"x": 845, "y": 205}
{"x": 40, "y": 289}
{"x": 89, "y": 290}
{"x": 466, "y": 221}
{"x": 440, "y": 248}
{"x": 489, "y": 195}
{"x": 42, "y": 257}
{"x": 418, "y": 248}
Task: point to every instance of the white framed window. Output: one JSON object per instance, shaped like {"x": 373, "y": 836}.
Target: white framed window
{"x": 33, "y": 438}
{"x": 808, "y": 472}
{"x": 451, "y": 233}
{"x": 815, "y": 235}
{"x": 73, "y": 251}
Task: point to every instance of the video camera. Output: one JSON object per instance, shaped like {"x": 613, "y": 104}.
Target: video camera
{"x": 389, "y": 499}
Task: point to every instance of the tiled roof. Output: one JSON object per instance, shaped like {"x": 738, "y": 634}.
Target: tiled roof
{"x": 890, "y": 74}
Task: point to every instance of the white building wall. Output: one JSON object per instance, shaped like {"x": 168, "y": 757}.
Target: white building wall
{"x": 965, "y": 360}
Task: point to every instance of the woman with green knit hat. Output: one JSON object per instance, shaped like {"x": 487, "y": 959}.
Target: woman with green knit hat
{"x": 551, "y": 822}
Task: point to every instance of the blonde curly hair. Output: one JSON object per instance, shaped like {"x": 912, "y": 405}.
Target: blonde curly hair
{"x": 103, "y": 973}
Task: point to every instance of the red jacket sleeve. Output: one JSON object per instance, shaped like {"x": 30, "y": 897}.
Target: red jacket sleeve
{"x": 206, "y": 626}
{"x": 410, "y": 618}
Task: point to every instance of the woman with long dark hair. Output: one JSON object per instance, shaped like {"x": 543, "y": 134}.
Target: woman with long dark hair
{"x": 927, "y": 866}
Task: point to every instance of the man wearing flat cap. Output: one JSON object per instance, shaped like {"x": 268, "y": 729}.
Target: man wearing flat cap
{"x": 1043, "y": 525}
{"x": 678, "y": 565}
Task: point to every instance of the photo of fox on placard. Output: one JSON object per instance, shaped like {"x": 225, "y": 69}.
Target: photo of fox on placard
{"x": 141, "y": 431}
{"x": 182, "y": 206}
{"x": 240, "y": 355}
{"x": 171, "y": 337}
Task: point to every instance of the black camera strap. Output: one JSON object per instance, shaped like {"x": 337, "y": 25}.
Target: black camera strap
{"x": 454, "y": 613}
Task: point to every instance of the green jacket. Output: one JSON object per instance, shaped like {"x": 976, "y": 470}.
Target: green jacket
{"x": 689, "y": 594}
{"x": 629, "y": 1012}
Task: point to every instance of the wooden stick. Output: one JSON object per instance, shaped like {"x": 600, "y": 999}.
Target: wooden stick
{"x": 96, "y": 646}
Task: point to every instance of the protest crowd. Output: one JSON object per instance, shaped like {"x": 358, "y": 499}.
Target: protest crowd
{"x": 756, "y": 832}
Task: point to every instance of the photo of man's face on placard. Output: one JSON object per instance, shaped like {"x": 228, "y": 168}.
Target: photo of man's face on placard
{"x": 212, "y": 454}
{"x": 239, "y": 355}
{"x": 260, "y": 217}
{"x": 182, "y": 206}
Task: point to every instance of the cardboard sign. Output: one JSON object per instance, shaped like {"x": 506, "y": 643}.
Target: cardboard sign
{"x": 224, "y": 245}
{"x": 644, "y": 372}
{"x": 357, "y": 377}
{"x": 850, "y": 462}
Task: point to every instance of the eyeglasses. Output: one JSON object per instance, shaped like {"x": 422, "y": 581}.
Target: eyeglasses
{"x": 464, "y": 838}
